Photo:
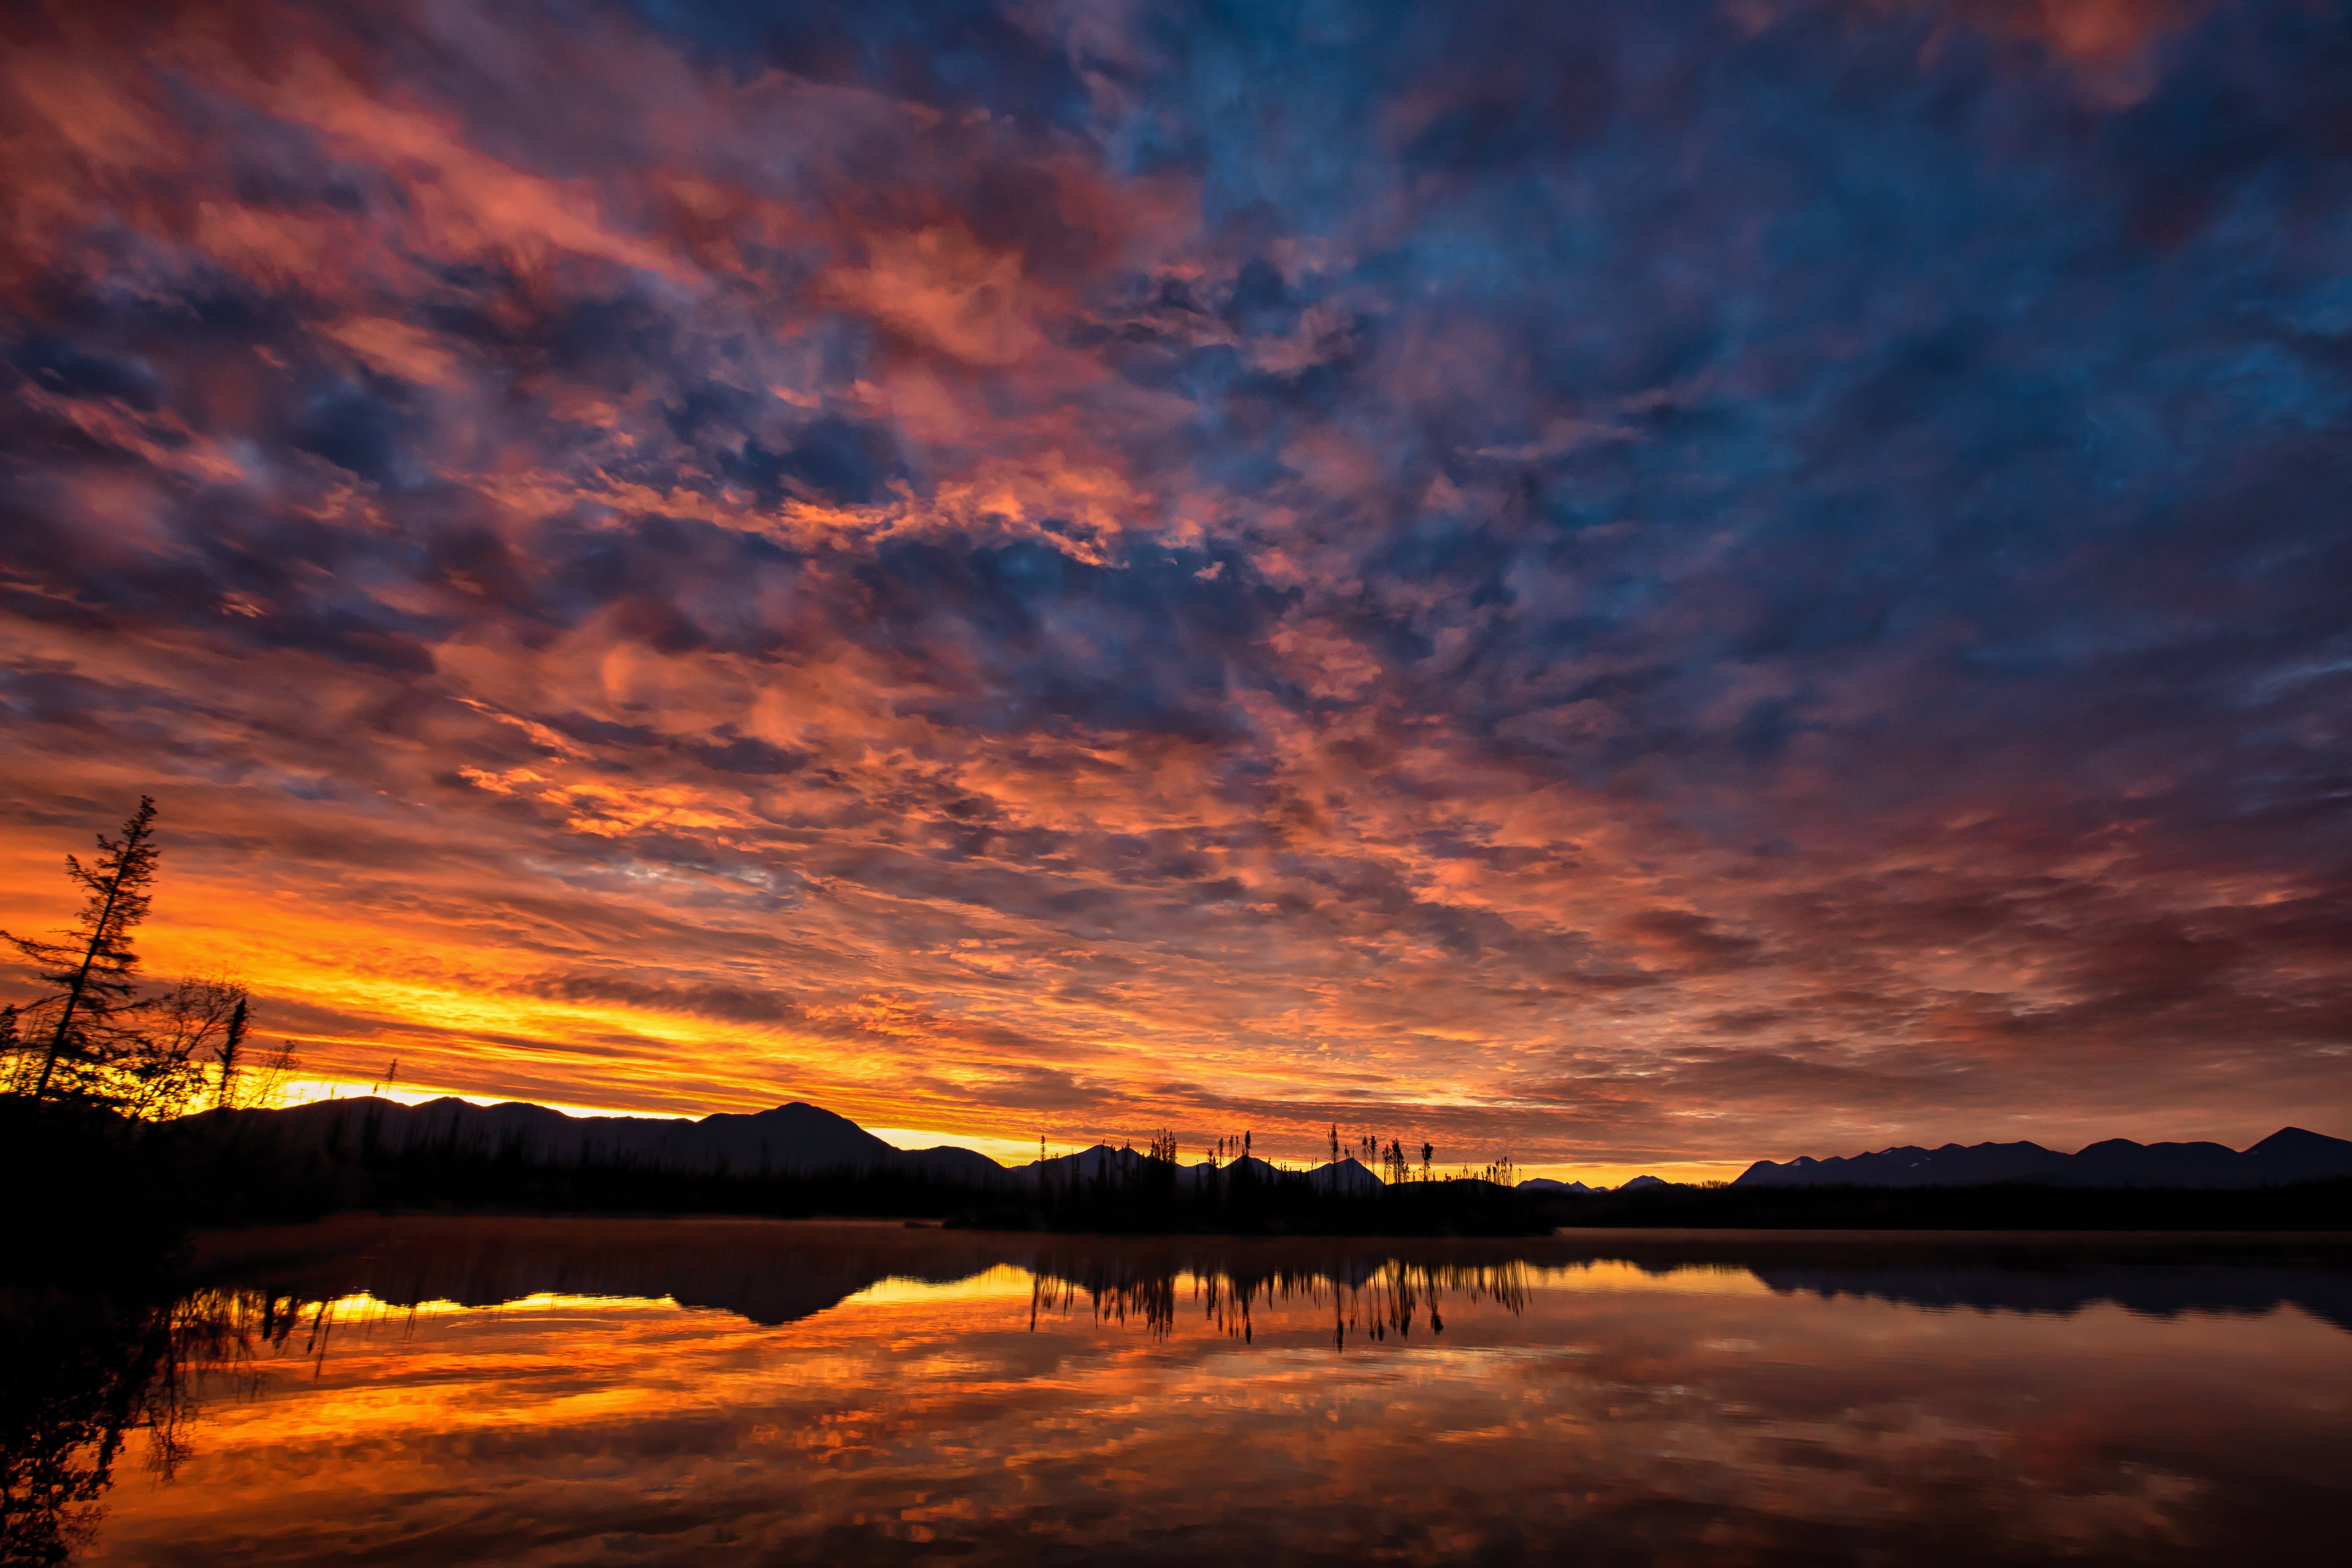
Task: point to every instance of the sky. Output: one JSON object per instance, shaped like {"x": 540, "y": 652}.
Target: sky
{"x": 1628, "y": 585}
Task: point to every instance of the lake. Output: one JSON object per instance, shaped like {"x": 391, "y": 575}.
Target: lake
{"x": 479, "y": 1391}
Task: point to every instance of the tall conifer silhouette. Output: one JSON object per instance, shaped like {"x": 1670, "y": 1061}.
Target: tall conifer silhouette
{"x": 93, "y": 970}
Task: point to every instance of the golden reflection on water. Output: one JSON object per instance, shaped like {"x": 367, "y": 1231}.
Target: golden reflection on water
{"x": 1089, "y": 1404}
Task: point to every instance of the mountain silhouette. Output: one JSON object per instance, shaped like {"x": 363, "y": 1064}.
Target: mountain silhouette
{"x": 1103, "y": 1161}
{"x": 798, "y": 1137}
{"x": 1348, "y": 1175}
{"x": 1098, "y": 1162}
{"x": 2288, "y": 1155}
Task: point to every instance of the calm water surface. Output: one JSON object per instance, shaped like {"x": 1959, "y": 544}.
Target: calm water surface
{"x": 520, "y": 1391}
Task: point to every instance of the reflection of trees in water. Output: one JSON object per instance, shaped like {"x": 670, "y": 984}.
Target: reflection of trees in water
{"x": 774, "y": 1274}
{"x": 83, "y": 1374}
{"x": 1367, "y": 1299}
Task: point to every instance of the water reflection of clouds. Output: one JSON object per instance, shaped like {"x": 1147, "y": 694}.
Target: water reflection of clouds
{"x": 1615, "y": 1412}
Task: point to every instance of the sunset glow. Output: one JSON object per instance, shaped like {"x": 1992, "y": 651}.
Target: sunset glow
{"x": 1633, "y": 586}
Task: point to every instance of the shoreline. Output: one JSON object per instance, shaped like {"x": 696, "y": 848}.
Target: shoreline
{"x": 346, "y": 1234}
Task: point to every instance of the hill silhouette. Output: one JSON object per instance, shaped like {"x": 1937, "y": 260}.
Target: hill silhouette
{"x": 797, "y": 1137}
{"x": 2286, "y": 1157}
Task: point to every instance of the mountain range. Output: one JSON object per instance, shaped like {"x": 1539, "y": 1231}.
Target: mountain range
{"x": 2290, "y": 1154}
{"x": 787, "y": 1138}
{"x": 800, "y": 1137}
{"x": 797, "y": 1137}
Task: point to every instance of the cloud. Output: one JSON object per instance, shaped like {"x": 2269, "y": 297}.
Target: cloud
{"x": 1679, "y": 581}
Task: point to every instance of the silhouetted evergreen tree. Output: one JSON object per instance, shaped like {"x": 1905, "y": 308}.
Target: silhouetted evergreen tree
{"x": 93, "y": 1040}
{"x": 93, "y": 972}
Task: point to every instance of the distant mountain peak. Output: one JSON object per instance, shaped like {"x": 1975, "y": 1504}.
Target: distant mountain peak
{"x": 2299, "y": 1137}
